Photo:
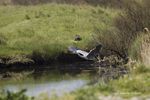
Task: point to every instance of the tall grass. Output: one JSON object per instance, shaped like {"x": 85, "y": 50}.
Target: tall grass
{"x": 134, "y": 21}
{"x": 120, "y": 35}
{"x": 140, "y": 49}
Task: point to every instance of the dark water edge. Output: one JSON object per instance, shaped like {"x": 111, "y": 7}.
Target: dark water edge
{"x": 64, "y": 63}
{"x": 71, "y": 69}
{"x": 87, "y": 68}
{"x": 110, "y": 67}
{"x": 28, "y": 61}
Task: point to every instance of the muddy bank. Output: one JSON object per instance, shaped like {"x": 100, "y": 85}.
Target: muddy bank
{"x": 64, "y": 58}
{"x": 63, "y": 61}
{"x": 23, "y": 60}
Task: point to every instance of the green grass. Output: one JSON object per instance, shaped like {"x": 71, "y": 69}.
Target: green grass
{"x": 49, "y": 29}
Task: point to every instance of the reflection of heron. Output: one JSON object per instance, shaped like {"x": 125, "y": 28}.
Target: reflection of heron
{"x": 86, "y": 55}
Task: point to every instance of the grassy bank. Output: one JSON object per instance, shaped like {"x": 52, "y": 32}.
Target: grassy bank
{"x": 47, "y": 30}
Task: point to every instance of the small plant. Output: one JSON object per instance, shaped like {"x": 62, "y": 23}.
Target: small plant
{"x": 7, "y": 95}
{"x": 27, "y": 17}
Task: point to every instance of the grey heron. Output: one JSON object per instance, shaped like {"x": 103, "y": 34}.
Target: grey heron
{"x": 86, "y": 55}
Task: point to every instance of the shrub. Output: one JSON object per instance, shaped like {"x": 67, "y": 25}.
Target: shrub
{"x": 136, "y": 17}
{"x": 127, "y": 27}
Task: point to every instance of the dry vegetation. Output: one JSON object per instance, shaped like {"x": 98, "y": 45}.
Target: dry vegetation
{"x": 140, "y": 49}
{"x": 126, "y": 27}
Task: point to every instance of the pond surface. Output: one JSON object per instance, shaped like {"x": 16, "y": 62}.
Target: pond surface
{"x": 50, "y": 88}
{"x": 45, "y": 81}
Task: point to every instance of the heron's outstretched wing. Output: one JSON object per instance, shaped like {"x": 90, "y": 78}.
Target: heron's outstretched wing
{"x": 80, "y": 53}
{"x": 94, "y": 52}
{"x": 72, "y": 49}
{"x": 83, "y": 54}
{"x": 91, "y": 54}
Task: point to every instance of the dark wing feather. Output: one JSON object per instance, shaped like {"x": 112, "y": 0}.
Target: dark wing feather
{"x": 94, "y": 52}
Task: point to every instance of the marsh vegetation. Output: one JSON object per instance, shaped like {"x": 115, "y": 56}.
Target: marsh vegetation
{"x": 40, "y": 34}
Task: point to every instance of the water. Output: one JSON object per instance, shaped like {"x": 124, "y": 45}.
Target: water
{"x": 58, "y": 88}
{"x": 45, "y": 82}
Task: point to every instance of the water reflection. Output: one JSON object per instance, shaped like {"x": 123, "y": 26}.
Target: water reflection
{"x": 45, "y": 79}
{"x": 59, "y": 88}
